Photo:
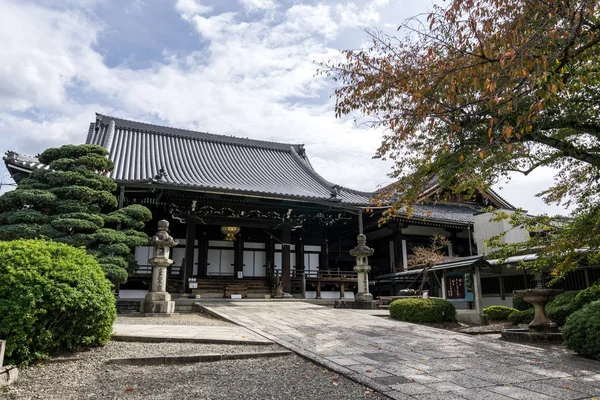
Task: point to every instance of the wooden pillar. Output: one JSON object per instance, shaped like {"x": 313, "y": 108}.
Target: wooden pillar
{"x": 190, "y": 239}
{"x": 502, "y": 292}
{"x": 398, "y": 251}
{"x": 203, "y": 255}
{"x": 270, "y": 250}
{"x": 342, "y": 290}
{"x": 400, "y": 254}
{"x": 324, "y": 256}
{"x": 477, "y": 293}
{"x": 586, "y": 275}
{"x": 444, "y": 285}
{"x": 286, "y": 237}
{"x": 238, "y": 256}
{"x": 300, "y": 257}
{"x": 319, "y": 284}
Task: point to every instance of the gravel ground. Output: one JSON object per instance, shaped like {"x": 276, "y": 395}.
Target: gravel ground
{"x": 288, "y": 377}
{"x": 492, "y": 327}
{"x": 176, "y": 319}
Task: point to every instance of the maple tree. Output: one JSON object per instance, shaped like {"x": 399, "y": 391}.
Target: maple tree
{"x": 480, "y": 89}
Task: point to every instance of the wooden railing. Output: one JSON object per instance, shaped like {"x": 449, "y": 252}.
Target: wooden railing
{"x": 331, "y": 276}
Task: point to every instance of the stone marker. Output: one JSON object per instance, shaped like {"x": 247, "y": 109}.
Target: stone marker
{"x": 362, "y": 267}
{"x": 158, "y": 300}
{"x": 8, "y": 374}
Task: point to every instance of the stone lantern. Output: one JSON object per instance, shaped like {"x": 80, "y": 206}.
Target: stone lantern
{"x": 158, "y": 300}
{"x": 362, "y": 267}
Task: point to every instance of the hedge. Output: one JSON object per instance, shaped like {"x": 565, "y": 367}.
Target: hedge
{"x": 423, "y": 310}
{"x": 558, "y": 309}
{"x": 520, "y": 304}
{"x": 522, "y": 317}
{"x": 498, "y": 313}
{"x": 588, "y": 295}
{"x": 53, "y": 297}
{"x": 582, "y": 331}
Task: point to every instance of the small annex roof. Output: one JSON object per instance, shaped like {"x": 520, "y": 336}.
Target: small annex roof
{"x": 458, "y": 214}
{"x": 452, "y": 263}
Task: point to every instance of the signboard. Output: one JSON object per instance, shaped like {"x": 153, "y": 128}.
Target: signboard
{"x": 455, "y": 287}
{"x": 193, "y": 285}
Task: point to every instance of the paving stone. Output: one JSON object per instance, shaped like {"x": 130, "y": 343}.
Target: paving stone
{"x": 422, "y": 378}
{"x": 553, "y": 390}
{"x": 342, "y": 360}
{"x": 395, "y": 395}
{"x": 462, "y": 379}
{"x": 518, "y": 393}
{"x": 578, "y": 384}
{"x": 368, "y": 370}
{"x": 444, "y": 386}
{"x": 400, "y": 369}
{"x": 481, "y": 394}
{"x": 391, "y": 380}
{"x": 590, "y": 380}
{"x": 380, "y": 356}
{"x": 412, "y": 388}
{"x": 538, "y": 370}
{"x": 438, "y": 396}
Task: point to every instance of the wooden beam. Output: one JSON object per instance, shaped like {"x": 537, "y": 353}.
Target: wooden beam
{"x": 286, "y": 238}
{"x": 190, "y": 239}
{"x": 300, "y": 257}
{"x": 238, "y": 257}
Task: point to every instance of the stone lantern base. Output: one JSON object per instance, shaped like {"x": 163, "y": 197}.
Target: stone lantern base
{"x": 159, "y": 303}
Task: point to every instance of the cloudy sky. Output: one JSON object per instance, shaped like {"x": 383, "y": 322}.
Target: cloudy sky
{"x": 233, "y": 67}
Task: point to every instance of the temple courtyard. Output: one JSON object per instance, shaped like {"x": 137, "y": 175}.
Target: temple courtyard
{"x": 340, "y": 354}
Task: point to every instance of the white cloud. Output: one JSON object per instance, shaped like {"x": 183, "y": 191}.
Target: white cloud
{"x": 258, "y": 5}
{"x": 187, "y": 8}
{"x": 41, "y": 52}
{"x": 250, "y": 77}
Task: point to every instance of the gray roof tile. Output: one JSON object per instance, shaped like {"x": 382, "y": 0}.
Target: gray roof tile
{"x": 207, "y": 161}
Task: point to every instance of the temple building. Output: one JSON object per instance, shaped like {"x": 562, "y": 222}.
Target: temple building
{"x": 256, "y": 213}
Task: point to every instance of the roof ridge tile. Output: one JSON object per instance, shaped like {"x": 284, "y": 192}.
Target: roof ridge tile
{"x": 188, "y": 133}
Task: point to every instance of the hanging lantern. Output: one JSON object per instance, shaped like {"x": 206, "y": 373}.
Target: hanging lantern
{"x": 230, "y": 232}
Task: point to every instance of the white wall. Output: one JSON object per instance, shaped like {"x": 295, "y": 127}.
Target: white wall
{"x": 485, "y": 229}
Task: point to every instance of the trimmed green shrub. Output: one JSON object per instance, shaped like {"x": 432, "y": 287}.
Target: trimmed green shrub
{"x": 521, "y": 317}
{"x": 582, "y": 331}
{"x": 423, "y": 310}
{"x": 499, "y": 313}
{"x": 520, "y": 304}
{"x": 588, "y": 295}
{"x": 53, "y": 297}
{"x": 563, "y": 299}
{"x": 559, "y": 315}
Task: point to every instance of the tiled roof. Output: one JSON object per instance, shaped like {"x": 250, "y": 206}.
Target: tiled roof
{"x": 225, "y": 164}
{"x": 199, "y": 160}
{"x": 456, "y": 213}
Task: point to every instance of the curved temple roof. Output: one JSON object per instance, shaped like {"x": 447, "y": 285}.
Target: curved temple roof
{"x": 198, "y": 160}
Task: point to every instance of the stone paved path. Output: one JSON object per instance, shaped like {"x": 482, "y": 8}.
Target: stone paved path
{"x": 191, "y": 333}
{"x": 407, "y": 361}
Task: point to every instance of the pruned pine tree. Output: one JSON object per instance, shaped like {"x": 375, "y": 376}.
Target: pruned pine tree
{"x": 72, "y": 202}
